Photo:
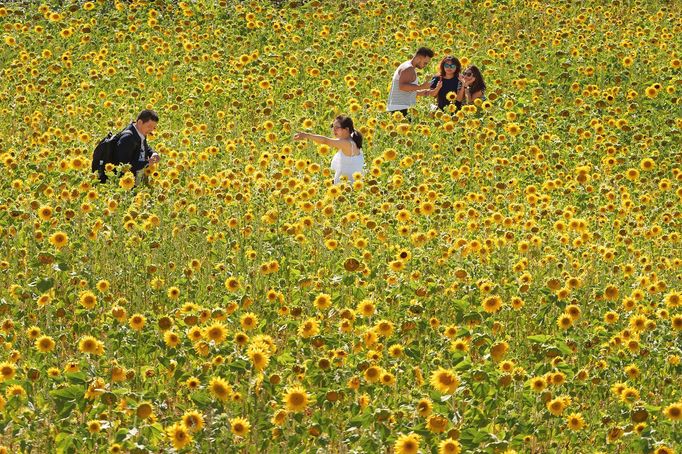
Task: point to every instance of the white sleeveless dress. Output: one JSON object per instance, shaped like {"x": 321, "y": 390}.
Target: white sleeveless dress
{"x": 347, "y": 165}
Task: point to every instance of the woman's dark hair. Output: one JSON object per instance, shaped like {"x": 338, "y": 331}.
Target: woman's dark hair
{"x": 147, "y": 115}
{"x": 479, "y": 84}
{"x": 450, "y": 59}
{"x": 346, "y": 123}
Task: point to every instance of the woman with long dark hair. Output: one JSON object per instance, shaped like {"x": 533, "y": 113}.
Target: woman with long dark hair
{"x": 349, "y": 159}
{"x": 450, "y": 91}
{"x": 474, "y": 86}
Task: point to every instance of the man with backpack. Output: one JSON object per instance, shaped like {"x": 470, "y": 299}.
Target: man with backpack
{"x": 132, "y": 147}
{"x": 129, "y": 147}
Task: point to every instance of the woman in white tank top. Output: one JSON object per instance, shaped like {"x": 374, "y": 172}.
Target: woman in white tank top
{"x": 349, "y": 160}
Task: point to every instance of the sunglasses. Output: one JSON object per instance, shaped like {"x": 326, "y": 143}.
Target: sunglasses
{"x": 335, "y": 127}
{"x": 450, "y": 66}
{"x": 467, "y": 74}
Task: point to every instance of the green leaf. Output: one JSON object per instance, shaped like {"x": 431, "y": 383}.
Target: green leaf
{"x": 44, "y": 284}
{"x": 201, "y": 398}
{"x": 65, "y": 443}
{"x": 77, "y": 377}
{"x": 70, "y": 392}
{"x": 463, "y": 365}
{"x": 285, "y": 358}
{"x": 540, "y": 338}
{"x": 563, "y": 348}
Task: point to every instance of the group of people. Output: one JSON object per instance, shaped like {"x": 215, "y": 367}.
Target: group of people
{"x": 450, "y": 86}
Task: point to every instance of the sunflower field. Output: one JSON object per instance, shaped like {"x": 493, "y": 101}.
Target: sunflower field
{"x": 504, "y": 278}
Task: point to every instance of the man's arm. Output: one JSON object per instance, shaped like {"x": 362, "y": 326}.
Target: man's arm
{"x": 408, "y": 76}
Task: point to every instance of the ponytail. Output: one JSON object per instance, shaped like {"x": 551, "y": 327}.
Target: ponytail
{"x": 357, "y": 138}
{"x": 347, "y": 123}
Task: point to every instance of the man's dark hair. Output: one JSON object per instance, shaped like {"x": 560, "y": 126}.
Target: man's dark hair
{"x": 147, "y": 115}
{"x": 425, "y": 52}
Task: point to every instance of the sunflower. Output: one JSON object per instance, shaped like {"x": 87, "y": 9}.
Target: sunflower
{"x": 220, "y": 388}
{"x": 629, "y": 395}
{"x": 664, "y": 450}
{"x": 424, "y": 407}
{"x": 17, "y": 391}
{"x": 44, "y": 344}
{"x": 611, "y": 292}
{"x": 437, "y": 424}
{"x": 575, "y": 421}
{"x": 179, "y": 435}
{"x": 217, "y": 333}
{"x": 240, "y": 426}
{"x": 323, "y": 301}
{"x": 673, "y": 411}
{"x": 137, "y": 322}
{"x": 103, "y": 285}
{"x": 296, "y": 399}
{"x": 171, "y": 339}
{"x": 45, "y": 213}
{"x": 444, "y": 381}
{"x": 89, "y": 344}
{"x": 384, "y": 328}
{"x": 173, "y": 293}
{"x": 59, "y": 239}
{"x": 498, "y": 350}
{"x": 94, "y": 426}
{"x": 407, "y": 444}
{"x": 259, "y": 358}
{"x": 33, "y": 332}
{"x": 144, "y": 410}
{"x": 193, "y": 383}
{"x": 232, "y": 284}
{"x": 193, "y": 421}
{"x": 279, "y": 417}
{"x": 241, "y": 339}
{"x": 449, "y": 446}
{"x": 492, "y": 304}
{"x": 396, "y": 350}
{"x": 459, "y": 345}
{"x": 249, "y": 321}
{"x": 7, "y": 371}
{"x": 309, "y": 328}
{"x": 564, "y": 321}
{"x": 373, "y": 374}
{"x": 127, "y": 182}
{"x": 556, "y": 406}
{"x": 365, "y": 308}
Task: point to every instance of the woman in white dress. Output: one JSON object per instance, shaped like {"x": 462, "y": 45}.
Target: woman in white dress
{"x": 349, "y": 159}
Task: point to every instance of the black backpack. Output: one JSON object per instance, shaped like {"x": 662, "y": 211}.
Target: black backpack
{"x": 104, "y": 154}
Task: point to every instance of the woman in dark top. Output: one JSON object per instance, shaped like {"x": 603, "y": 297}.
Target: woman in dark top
{"x": 451, "y": 90}
{"x": 474, "y": 86}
